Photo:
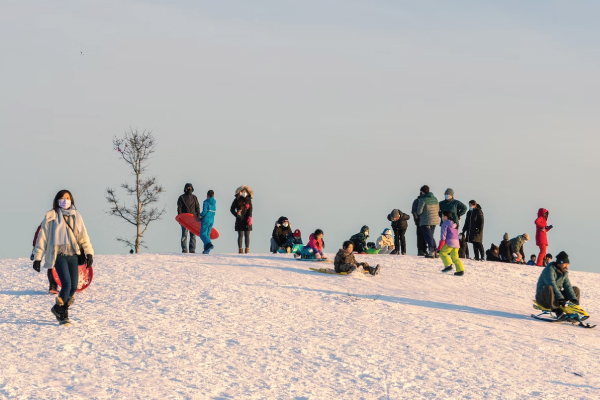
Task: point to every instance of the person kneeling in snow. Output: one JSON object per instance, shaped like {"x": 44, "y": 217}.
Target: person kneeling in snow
{"x": 554, "y": 288}
{"x": 493, "y": 253}
{"x": 385, "y": 243}
{"x": 360, "y": 240}
{"x": 345, "y": 262}
{"x": 280, "y": 234}
{"x": 315, "y": 246}
{"x": 449, "y": 244}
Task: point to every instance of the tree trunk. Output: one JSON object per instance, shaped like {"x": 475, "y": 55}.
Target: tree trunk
{"x": 139, "y": 209}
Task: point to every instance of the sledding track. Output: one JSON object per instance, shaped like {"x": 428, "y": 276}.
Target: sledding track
{"x": 165, "y": 326}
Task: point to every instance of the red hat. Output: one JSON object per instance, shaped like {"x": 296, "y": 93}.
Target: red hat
{"x": 297, "y": 233}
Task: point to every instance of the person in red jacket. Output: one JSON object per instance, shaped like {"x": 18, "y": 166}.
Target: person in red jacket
{"x": 541, "y": 239}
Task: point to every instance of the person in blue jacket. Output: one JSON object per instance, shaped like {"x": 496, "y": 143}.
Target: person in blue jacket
{"x": 207, "y": 216}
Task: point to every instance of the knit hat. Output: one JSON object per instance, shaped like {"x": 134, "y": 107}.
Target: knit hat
{"x": 387, "y": 231}
{"x": 562, "y": 258}
{"x": 506, "y": 236}
{"x": 297, "y": 234}
{"x": 396, "y": 214}
{"x": 449, "y": 192}
{"x": 494, "y": 247}
{"x": 425, "y": 189}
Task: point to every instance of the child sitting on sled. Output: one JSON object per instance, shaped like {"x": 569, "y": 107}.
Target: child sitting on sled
{"x": 449, "y": 244}
{"x": 345, "y": 262}
{"x": 385, "y": 242}
{"x": 294, "y": 242}
{"x": 314, "y": 248}
{"x": 359, "y": 240}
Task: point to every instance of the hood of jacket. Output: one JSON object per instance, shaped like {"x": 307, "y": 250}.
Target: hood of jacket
{"x": 429, "y": 198}
{"x": 541, "y": 212}
{"x": 364, "y": 229}
{"x": 188, "y": 185}
{"x": 211, "y": 201}
{"x": 494, "y": 247}
{"x": 246, "y": 188}
{"x": 478, "y": 207}
{"x": 281, "y": 220}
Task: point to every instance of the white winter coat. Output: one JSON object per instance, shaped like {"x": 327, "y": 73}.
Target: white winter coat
{"x": 45, "y": 243}
{"x": 384, "y": 241}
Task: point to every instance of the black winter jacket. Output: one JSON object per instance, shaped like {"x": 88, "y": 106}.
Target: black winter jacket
{"x": 241, "y": 208}
{"x": 473, "y": 228}
{"x": 280, "y": 234}
{"x": 188, "y": 204}
{"x": 505, "y": 251}
{"x": 401, "y": 224}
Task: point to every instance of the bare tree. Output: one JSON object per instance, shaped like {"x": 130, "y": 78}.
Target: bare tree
{"x": 135, "y": 149}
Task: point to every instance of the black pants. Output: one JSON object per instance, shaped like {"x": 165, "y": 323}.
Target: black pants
{"x": 463, "y": 252}
{"x": 547, "y": 299}
{"x": 400, "y": 240}
{"x": 421, "y": 246}
{"x": 478, "y": 250}
{"x": 241, "y": 236}
{"x": 51, "y": 280}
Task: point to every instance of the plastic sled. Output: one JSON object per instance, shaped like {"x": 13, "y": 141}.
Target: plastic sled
{"x": 188, "y": 221}
{"x": 296, "y": 249}
{"x": 85, "y": 277}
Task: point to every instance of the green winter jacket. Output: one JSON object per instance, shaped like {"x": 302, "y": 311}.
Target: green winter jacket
{"x": 428, "y": 210}
{"x": 517, "y": 243}
{"x": 457, "y": 208}
{"x": 557, "y": 280}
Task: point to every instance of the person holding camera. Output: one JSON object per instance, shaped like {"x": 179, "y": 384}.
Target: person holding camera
{"x": 541, "y": 238}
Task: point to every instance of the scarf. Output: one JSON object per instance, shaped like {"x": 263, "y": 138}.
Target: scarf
{"x": 62, "y": 231}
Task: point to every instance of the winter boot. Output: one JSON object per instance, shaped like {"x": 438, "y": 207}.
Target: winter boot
{"x": 403, "y": 254}
{"x": 394, "y": 252}
{"x": 247, "y": 250}
{"x": 460, "y": 273}
{"x": 59, "y": 311}
{"x": 429, "y": 255}
{"x": 421, "y": 254}
{"x": 208, "y": 248}
{"x": 53, "y": 288}
{"x": 436, "y": 254}
{"x": 241, "y": 251}
{"x": 448, "y": 268}
{"x": 374, "y": 270}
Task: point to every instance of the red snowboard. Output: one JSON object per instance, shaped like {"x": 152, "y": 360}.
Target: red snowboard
{"x": 85, "y": 277}
{"x": 188, "y": 221}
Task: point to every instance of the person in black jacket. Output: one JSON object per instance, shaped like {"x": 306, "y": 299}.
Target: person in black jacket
{"x": 473, "y": 229}
{"x": 280, "y": 235}
{"x": 505, "y": 250}
{"x": 493, "y": 254}
{"x": 188, "y": 204}
{"x": 399, "y": 226}
{"x": 421, "y": 247}
{"x": 241, "y": 209}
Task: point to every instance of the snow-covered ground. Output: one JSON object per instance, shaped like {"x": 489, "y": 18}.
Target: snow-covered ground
{"x": 184, "y": 326}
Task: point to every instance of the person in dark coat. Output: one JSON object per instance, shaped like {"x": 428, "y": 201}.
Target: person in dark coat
{"x": 359, "y": 240}
{"x": 473, "y": 229}
{"x": 493, "y": 254}
{"x": 241, "y": 209}
{"x": 505, "y": 250}
{"x": 457, "y": 208}
{"x": 421, "y": 247}
{"x": 188, "y": 204}
{"x": 463, "y": 251}
{"x": 280, "y": 234}
{"x": 399, "y": 226}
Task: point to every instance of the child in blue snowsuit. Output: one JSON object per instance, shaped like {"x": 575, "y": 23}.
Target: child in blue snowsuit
{"x": 207, "y": 216}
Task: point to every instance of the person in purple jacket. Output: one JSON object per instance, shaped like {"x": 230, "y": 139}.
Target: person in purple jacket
{"x": 449, "y": 244}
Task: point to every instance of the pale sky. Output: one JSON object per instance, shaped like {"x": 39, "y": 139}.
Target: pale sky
{"x": 334, "y": 113}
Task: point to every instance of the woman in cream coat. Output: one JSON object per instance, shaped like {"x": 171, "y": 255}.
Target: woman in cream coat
{"x": 62, "y": 238}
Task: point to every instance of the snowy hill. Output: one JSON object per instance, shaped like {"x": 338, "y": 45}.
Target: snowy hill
{"x": 175, "y": 326}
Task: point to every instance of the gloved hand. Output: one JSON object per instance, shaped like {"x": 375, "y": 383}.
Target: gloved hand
{"x": 90, "y": 260}
{"x": 199, "y": 218}
{"x": 561, "y": 302}
{"x": 442, "y": 243}
{"x": 575, "y": 301}
{"x": 37, "y": 265}
{"x": 549, "y": 227}
{"x": 249, "y": 221}
{"x": 32, "y": 256}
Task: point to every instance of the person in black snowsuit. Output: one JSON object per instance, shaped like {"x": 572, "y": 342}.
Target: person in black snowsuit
{"x": 473, "y": 229}
{"x": 188, "y": 204}
{"x": 421, "y": 247}
{"x": 241, "y": 209}
{"x": 399, "y": 226}
{"x": 280, "y": 235}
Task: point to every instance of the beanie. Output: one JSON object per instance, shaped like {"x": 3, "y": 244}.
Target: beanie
{"x": 297, "y": 233}
{"x": 506, "y": 236}
{"x": 449, "y": 192}
{"x": 562, "y": 258}
{"x": 425, "y": 189}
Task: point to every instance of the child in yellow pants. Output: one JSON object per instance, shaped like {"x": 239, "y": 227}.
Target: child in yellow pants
{"x": 449, "y": 245}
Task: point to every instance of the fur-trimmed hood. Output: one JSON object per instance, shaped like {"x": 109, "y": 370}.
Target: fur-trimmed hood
{"x": 246, "y": 188}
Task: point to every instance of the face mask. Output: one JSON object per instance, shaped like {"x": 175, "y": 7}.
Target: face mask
{"x": 447, "y": 196}
{"x": 285, "y": 224}
{"x": 243, "y": 194}
{"x": 367, "y": 233}
{"x": 64, "y": 204}
{"x": 470, "y": 208}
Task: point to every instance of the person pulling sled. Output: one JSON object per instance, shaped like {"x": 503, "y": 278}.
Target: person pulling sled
{"x": 207, "y": 216}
